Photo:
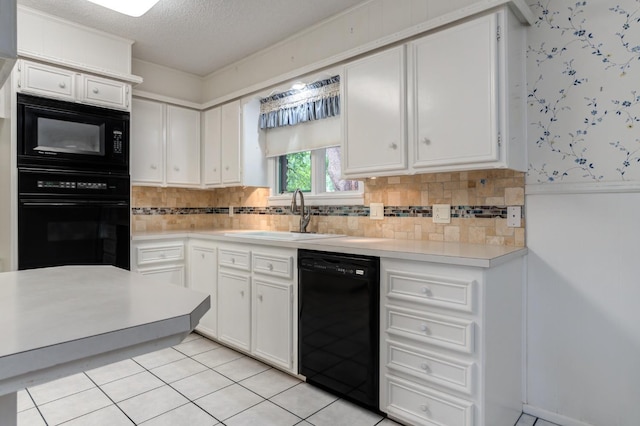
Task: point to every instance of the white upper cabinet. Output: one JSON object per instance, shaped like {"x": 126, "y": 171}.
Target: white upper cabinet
{"x": 232, "y": 154}
{"x": 60, "y": 83}
{"x": 230, "y": 135}
{"x": 211, "y": 138}
{"x": 183, "y": 146}
{"x": 374, "y": 123}
{"x": 165, "y": 145}
{"x": 147, "y": 142}
{"x": 466, "y": 96}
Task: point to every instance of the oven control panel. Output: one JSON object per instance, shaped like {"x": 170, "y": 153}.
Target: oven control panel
{"x": 59, "y": 184}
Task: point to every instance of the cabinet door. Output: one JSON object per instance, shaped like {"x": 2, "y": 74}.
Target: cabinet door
{"x": 454, "y": 75}
{"x": 147, "y": 142}
{"x": 104, "y": 92}
{"x": 46, "y": 81}
{"x": 167, "y": 274}
{"x": 203, "y": 277}
{"x": 211, "y": 174}
{"x": 183, "y": 146}
{"x": 230, "y": 140}
{"x": 234, "y": 309}
{"x": 374, "y": 139}
{"x": 273, "y": 322}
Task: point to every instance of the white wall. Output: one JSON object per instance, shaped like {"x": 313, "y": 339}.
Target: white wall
{"x": 584, "y": 307}
{"x": 167, "y": 82}
{"x": 583, "y": 295}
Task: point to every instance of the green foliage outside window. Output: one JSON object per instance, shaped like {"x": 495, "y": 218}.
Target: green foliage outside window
{"x": 297, "y": 171}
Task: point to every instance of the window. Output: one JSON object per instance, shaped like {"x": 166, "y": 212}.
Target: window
{"x": 317, "y": 174}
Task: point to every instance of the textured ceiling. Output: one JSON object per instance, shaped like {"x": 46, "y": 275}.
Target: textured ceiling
{"x": 199, "y": 36}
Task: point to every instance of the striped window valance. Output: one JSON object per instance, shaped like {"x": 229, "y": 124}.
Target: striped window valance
{"x": 315, "y": 101}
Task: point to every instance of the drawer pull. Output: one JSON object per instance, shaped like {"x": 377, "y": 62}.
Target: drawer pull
{"x": 426, "y": 291}
{"x": 424, "y": 328}
{"x": 163, "y": 255}
{"x": 270, "y": 266}
{"x": 424, "y": 409}
{"x": 393, "y": 145}
{"x": 95, "y": 90}
{"x": 425, "y": 367}
{"x": 62, "y": 85}
{"x": 426, "y": 141}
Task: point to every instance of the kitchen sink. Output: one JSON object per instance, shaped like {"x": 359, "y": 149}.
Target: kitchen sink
{"x": 280, "y": 235}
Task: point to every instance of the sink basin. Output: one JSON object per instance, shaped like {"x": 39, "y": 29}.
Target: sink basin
{"x": 281, "y": 235}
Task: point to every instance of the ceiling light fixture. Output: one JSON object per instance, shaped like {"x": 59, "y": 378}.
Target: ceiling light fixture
{"x": 135, "y": 8}
{"x": 298, "y": 86}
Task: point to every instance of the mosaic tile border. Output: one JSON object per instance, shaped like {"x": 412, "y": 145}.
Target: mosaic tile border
{"x": 466, "y": 212}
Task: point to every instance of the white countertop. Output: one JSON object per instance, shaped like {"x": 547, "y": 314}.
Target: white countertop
{"x": 72, "y": 318}
{"x": 477, "y": 255}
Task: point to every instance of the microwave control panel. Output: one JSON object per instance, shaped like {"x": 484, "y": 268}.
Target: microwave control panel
{"x": 117, "y": 142}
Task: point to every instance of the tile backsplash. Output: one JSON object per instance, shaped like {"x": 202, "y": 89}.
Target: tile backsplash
{"x": 478, "y": 199}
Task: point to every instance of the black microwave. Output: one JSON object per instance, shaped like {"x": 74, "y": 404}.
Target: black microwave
{"x": 56, "y": 134}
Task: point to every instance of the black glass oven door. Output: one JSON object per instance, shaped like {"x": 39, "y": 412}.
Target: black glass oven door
{"x": 71, "y": 232}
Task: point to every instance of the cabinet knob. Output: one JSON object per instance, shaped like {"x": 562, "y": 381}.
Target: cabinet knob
{"x": 426, "y": 291}
{"x": 176, "y": 168}
{"x": 242, "y": 293}
{"x": 215, "y": 170}
{"x": 202, "y": 254}
{"x": 270, "y": 266}
{"x": 425, "y": 367}
{"x": 426, "y": 141}
{"x": 260, "y": 297}
{"x": 226, "y": 168}
{"x": 424, "y": 408}
{"x": 95, "y": 90}
{"x": 62, "y": 84}
{"x": 393, "y": 145}
{"x": 233, "y": 260}
{"x": 163, "y": 255}
{"x": 424, "y": 328}
{"x": 153, "y": 167}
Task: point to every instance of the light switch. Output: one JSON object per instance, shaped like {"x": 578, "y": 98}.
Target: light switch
{"x": 513, "y": 216}
{"x": 376, "y": 211}
{"x": 442, "y": 213}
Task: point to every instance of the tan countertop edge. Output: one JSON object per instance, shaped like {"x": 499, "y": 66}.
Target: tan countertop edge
{"x": 464, "y": 254}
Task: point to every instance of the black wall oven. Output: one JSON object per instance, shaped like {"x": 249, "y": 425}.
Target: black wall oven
{"x": 73, "y": 184}
{"x": 70, "y": 136}
{"x": 72, "y": 218}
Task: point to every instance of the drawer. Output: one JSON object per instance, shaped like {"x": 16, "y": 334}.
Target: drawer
{"x": 440, "y": 330}
{"x": 105, "y": 92}
{"x": 47, "y": 81}
{"x": 155, "y": 254}
{"x": 277, "y": 266}
{"x": 238, "y": 259}
{"x": 446, "y": 371}
{"x": 441, "y": 291}
{"x": 423, "y": 406}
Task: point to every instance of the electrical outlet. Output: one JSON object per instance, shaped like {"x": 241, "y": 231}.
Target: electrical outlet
{"x": 513, "y": 216}
{"x": 376, "y": 211}
{"x": 442, "y": 213}
{"x": 230, "y": 211}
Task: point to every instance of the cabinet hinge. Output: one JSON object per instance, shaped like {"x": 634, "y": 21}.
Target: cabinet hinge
{"x": 499, "y": 139}
{"x": 499, "y": 33}
{"x": 19, "y": 65}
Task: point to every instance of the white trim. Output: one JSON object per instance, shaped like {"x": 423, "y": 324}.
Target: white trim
{"x": 552, "y": 417}
{"x": 582, "y": 188}
{"x": 521, "y": 10}
{"x": 166, "y": 99}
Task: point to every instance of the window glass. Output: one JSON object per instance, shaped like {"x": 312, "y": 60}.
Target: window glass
{"x": 295, "y": 172}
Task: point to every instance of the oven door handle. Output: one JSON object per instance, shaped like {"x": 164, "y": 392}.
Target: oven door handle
{"x": 93, "y": 203}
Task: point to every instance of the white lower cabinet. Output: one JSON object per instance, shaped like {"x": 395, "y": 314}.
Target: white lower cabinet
{"x": 451, "y": 343}
{"x": 257, "y": 300}
{"x": 234, "y": 312}
{"x": 202, "y": 276}
{"x": 163, "y": 260}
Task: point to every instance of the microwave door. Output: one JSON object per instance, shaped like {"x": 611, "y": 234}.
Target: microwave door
{"x": 69, "y": 137}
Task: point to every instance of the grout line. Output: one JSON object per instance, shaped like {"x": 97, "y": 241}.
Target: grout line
{"x": 110, "y": 399}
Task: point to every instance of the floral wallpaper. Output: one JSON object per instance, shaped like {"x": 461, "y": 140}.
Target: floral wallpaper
{"x": 584, "y": 91}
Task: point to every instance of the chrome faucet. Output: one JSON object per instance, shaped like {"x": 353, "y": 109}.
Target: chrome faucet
{"x": 304, "y": 218}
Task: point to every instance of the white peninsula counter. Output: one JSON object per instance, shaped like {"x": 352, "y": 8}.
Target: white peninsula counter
{"x": 59, "y": 321}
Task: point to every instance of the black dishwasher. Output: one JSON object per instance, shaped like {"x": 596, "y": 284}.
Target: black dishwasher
{"x": 338, "y": 329}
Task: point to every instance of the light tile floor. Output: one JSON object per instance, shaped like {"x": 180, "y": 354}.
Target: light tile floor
{"x": 196, "y": 383}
